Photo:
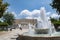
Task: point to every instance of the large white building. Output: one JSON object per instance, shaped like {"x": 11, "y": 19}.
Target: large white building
{"x": 24, "y": 23}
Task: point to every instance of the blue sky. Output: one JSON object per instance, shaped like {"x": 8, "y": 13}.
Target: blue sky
{"x": 16, "y": 6}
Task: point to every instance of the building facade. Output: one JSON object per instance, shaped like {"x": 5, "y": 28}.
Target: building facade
{"x": 24, "y": 23}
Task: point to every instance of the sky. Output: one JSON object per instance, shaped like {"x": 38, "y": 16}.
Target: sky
{"x": 29, "y": 8}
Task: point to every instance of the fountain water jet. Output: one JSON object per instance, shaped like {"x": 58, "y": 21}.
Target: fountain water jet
{"x": 43, "y": 24}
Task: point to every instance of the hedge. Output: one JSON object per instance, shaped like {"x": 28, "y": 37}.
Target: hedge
{"x": 3, "y": 24}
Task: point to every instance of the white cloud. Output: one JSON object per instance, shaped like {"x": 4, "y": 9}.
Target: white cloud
{"x": 35, "y": 14}
{"x": 55, "y": 15}
{"x": 25, "y": 12}
{"x": 28, "y": 13}
{"x": 48, "y": 13}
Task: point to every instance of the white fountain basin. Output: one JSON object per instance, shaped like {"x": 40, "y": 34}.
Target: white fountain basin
{"x": 41, "y": 30}
{"x": 56, "y": 34}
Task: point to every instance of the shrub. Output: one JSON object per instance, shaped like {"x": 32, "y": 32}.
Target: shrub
{"x": 3, "y": 24}
{"x": 0, "y": 21}
{"x": 56, "y": 23}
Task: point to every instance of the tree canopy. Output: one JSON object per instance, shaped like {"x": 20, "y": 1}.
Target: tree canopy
{"x": 9, "y": 18}
{"x": 3, "y": 7}
{"x": 56, "y": 5}
{"x": 56, "y": 23}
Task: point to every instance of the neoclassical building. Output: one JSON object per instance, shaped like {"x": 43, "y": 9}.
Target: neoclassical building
{"x": 24, "y": 23}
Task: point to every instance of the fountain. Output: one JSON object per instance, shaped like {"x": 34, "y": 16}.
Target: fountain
{"x": 44, "y": 29}
{"x": 43, "y": 24}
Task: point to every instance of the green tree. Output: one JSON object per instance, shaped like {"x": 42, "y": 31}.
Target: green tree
{"x": 9, "y": 18}
{"x": 56, "y": 23}
{"x": 53, "y": 20}
{"x": 56, "y": 5}
{"x": 3, "y": 7}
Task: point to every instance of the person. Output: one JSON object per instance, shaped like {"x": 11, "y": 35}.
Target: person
{"x": 10, "y": 29}
{"x": 20, "y": 26}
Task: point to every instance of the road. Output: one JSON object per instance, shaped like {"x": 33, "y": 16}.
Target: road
{"x": 12, "y": 35}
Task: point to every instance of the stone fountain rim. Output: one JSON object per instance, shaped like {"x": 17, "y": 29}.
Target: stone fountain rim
{"x": 31, "y": 35}
{"x": 39, "y": 36}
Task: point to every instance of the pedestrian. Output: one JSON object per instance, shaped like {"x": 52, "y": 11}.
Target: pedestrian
{"x": 20, "y": 26}
{"x": 10, "y": 29}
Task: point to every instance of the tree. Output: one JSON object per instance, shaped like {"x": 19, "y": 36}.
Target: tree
{"x": 56, "y": 5}
{"x": 56, "y": 23}
{"x": 53, "y": 20}
{"x": 3, "y": 7}
{"x": 9, "y": 18}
